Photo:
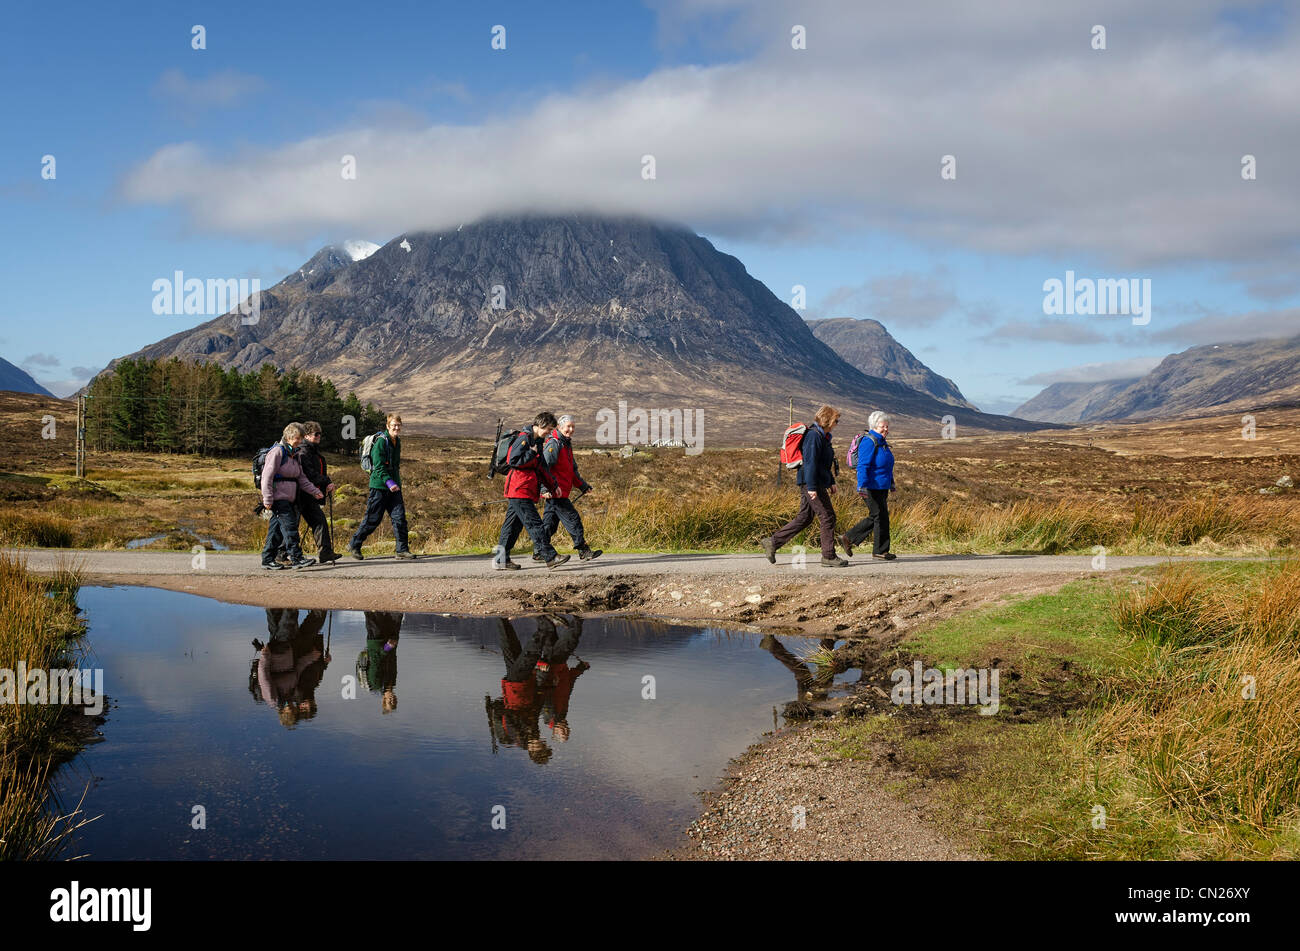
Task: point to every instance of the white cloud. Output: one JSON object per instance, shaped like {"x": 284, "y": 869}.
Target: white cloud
{"x": 223, "y": 89}
{"x": 1076, "y": 331}
{"x": 1128, "y": 155}
{"x": 1232, "y": 328}
{"x": 909, "y": 299}
{"x": 1095, "y": 372}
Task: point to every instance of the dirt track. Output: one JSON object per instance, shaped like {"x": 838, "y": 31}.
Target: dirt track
{"x": 741, "y": 590}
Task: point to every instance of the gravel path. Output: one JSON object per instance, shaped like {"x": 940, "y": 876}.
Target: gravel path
{"x": 163, "y": 563}
{"x": 847, "y": 812}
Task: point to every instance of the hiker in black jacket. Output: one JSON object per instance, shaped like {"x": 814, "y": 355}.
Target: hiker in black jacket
{"x": 816, "y": 480}
{"x": 529, "y": 479}
{"x": 314, "y": 468}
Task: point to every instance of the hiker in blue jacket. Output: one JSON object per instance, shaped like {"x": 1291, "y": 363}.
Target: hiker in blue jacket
{"x": 875, "y": 482}
{"x": 816, "y": 482}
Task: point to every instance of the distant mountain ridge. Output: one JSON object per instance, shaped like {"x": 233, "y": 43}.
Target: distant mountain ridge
{"x": 509, "y": 315}
{"x": 867, "y": 345}
{"x": 19, "y": 380}
{"x": 1224, "y": 377}
{"x": 1070, "y": 402}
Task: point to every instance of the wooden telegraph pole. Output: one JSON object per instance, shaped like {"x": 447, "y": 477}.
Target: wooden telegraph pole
{"x": 780, "y": 467}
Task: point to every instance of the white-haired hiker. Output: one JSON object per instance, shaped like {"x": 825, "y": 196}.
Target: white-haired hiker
{"x": 557, "y": 453}
{"x": 875, "y": 482}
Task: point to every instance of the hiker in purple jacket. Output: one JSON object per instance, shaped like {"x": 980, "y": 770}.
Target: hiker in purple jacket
{"x": 282, "y": 477}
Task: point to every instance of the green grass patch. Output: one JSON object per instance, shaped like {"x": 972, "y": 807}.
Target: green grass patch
{"x": 1173, "y": 733}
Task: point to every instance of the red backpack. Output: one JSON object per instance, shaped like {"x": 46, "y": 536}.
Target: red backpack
{"x": 792, "y": 447}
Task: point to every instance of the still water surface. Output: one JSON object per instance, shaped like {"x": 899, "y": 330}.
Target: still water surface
{"x": 373, "y": 735}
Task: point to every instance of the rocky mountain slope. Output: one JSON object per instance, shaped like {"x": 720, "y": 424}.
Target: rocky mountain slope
{"x": 19, "y": 380}
{"x": 1070, "y": 402}
{"x": 867, "y": 345}
{"x": 509, "y": 316}
{"x": 1217, "y": 378}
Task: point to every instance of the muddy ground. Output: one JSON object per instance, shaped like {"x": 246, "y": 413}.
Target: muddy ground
{"x": 877, "y": 608}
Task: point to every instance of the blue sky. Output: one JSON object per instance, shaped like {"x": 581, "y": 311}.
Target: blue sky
{"x": 817, "y": 167}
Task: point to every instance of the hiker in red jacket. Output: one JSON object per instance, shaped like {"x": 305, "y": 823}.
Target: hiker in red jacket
{"x": 557, "y": 686}
{"x": 516, "y": 712}
{"x": 557, "y": 451}
{"x": 528, "y": 480}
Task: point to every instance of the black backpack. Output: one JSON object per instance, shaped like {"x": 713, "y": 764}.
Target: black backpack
{"x": 501, "y": 458}
{"x": 259, "y": 462}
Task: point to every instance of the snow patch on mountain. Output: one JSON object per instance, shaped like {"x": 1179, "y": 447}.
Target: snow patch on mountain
{"x": 359, "y": 250}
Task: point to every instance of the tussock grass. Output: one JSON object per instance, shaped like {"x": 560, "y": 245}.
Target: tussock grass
{"x": 39, "y": 627}
{"x": 36, "y": 530}
{"x": 735, "y": 520}
{"x": 1032, "y": 499}
{"x": 1214, "y": 727}
{"x": 1179, "y": 723}
{"x": 32, "y": 825}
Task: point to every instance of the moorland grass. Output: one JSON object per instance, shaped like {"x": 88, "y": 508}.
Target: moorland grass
{"x": 39, "y": 628}
{"x": 1184, "y": 741}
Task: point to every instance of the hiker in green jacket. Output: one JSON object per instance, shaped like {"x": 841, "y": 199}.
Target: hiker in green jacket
{"x": 385, "y": 490}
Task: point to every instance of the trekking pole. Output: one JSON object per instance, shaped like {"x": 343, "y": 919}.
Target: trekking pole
{"x": 487, "y": 704}
{"x": 492, "y": 461}
{"x": 331, "y": 521}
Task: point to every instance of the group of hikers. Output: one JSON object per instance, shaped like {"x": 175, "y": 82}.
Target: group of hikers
{"x": 539, "y": 464}
{"x": 815, "y": 460}
{"x": 536, "y": 684}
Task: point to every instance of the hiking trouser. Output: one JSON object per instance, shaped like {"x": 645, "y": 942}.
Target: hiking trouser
{"x": 816, "y": 506}
{"x": 562, "y": 645}
{"x": 283, "y": 531}
{"x": 520, "y": 661}
{"x": 314, "y": 516}
{"x": 521, "y": 515}
{"x": 563, "y": 512}
{"x": 878, "y": 521}
{"x": 377, "y": 503}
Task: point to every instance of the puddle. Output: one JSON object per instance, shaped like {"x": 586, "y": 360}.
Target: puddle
{"x": 369, "y": 735}
{"x": 210, "y": 543}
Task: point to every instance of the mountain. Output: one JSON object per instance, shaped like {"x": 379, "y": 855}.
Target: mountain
{"x": 1224, "y": 377}
{"x": 1070, "y": 402}
{"x": 509, "y": 316}
{"x": 867, "y": 345}
{"x": 19, "y": 380}
{"x": 318, "y": 270}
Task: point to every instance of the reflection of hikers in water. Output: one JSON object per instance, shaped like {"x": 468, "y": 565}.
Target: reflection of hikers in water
{"x": 557, "y": 686}
{"x": 289, "y": 666}
{"x": 537, "y": 678}
{"x": 813, "y": 681}
{"x": 377, "y": 664}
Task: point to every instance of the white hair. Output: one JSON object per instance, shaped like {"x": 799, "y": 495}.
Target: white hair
{"x": 563, "y": 419}
{"x": 875, "y": 419}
